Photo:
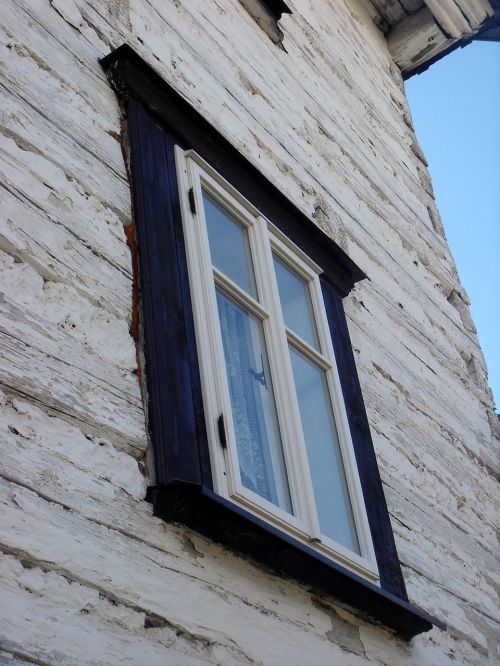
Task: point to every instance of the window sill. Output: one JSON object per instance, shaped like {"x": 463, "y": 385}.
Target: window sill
{"x": 219, "y": 519}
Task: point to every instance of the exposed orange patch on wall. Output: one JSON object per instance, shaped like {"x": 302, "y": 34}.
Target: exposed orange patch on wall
{"x": 130, "y": 233}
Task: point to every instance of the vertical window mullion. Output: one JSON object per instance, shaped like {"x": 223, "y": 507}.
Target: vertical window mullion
{"x": 286, "y": 397}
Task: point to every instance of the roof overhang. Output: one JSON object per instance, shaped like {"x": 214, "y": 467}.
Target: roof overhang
{"x": 419, "y": 32}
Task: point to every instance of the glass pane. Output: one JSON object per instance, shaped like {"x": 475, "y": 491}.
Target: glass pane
{"x": 296, "y": 303}
{"x": 258, "y": 441}
{"x": 323, "y": 450}
{"x": 229, "y": 247}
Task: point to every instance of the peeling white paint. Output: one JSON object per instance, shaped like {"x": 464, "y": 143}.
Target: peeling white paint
{"x": 88, "y": 575}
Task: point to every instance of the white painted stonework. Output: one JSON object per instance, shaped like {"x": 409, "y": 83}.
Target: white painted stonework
{"x": 88, "y": 575}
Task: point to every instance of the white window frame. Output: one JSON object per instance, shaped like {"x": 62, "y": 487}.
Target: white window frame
{"x": 264, "y": 238}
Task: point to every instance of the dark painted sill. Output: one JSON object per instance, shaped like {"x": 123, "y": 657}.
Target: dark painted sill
{"x": 215, "y": 517}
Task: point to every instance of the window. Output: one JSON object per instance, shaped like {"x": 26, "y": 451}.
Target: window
{"x": 277, "y": 428}
{"x": 257, "y": 422}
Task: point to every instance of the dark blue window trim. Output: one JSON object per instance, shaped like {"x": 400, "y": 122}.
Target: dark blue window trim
{"x": 158, "y": 118}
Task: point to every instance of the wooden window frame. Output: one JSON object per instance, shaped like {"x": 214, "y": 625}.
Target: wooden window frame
{"x": 157, "y": 120}
{"x": 195, "y": 175}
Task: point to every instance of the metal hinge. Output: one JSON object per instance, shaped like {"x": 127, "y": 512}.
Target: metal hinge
{"x": 192, "y": 202}
{"x": 222, "y": 431}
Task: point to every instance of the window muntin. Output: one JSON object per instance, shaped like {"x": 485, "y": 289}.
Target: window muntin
{"x": 350, "y": 544}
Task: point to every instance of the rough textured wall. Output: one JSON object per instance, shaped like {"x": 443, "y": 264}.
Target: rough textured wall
{"x": 88, "y": 575}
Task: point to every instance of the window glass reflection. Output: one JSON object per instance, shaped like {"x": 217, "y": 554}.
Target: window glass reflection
{"x": 229, "y": 246}
{"x": 323, "y": 451}
{"x": 296, "y": 303}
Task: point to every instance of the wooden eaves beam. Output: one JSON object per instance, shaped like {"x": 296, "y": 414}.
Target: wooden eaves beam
{"x": 435, "y": 28}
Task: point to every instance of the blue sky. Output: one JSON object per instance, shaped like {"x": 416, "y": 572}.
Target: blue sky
{"x": 456, "y": 111}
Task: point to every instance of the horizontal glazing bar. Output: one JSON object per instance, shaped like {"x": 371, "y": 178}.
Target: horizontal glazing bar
{"x": 307, "y": 350}
{"x": 239, "y": 295}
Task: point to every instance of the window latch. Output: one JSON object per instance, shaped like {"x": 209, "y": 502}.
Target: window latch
{"x": 192, "y": 203}
{"x": 222, "y": 431}
{"x": 258, "y": 376}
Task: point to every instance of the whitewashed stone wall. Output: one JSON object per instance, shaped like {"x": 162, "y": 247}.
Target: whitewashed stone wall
{"x": 88, "y": 576}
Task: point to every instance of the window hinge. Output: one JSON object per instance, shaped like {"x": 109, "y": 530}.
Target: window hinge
{"x": 192, "y": 203}
{"x": 222, "y": 431}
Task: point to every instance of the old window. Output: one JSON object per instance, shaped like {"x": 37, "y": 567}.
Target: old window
{"x": 257, "y": 421}
{"x": 278, "y": 434}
